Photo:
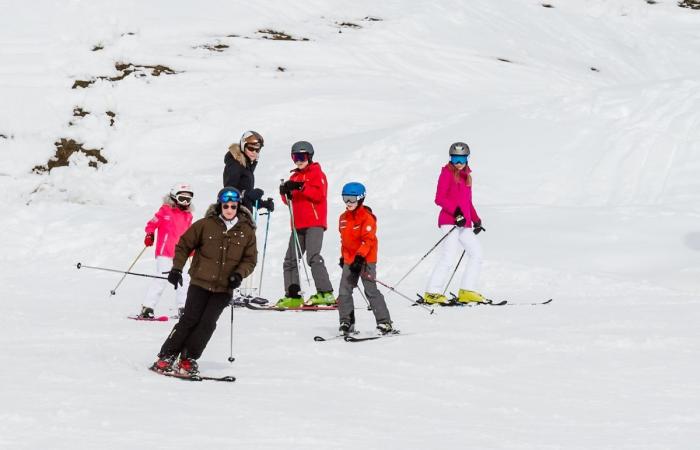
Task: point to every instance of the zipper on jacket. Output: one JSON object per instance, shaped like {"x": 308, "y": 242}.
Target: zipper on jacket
{"x": 314, "y": 209}
{"x": 162, "y": 247}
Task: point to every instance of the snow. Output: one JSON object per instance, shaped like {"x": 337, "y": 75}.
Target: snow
{"x": 586, "y": 181}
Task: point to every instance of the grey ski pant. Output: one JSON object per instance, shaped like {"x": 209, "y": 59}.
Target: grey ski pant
{"x": 311, "y": 241}
{"x": 346, "y": 306}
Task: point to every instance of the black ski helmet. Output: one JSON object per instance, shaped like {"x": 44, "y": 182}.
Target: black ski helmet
{"x": 459, "y": 149}
{"x": 303, "y": 147}
{"x": 228, "y": 194}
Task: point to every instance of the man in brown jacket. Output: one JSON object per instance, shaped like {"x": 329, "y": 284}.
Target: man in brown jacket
{"x": 225, "y": 252}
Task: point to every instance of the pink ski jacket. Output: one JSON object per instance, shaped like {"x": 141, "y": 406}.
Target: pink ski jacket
{"x": 171, "y": 223}
{"x": 451, "y": 194}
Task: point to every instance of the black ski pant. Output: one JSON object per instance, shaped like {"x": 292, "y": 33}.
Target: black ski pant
{"x": 348, "y": 282}
{"x": 194, "y": 329}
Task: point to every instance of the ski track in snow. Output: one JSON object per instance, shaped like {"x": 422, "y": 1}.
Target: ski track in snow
{"x": 586, "y": 181}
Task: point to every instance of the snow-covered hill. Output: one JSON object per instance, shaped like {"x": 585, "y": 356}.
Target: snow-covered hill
{"x": 584, "y": 124}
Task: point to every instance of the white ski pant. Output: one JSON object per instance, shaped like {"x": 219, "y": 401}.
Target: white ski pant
{"x": 155, "y": 290}
{"x": 450, "y": 251}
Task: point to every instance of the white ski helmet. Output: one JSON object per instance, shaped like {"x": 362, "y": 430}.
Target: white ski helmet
{"x": 182, "y": 193}
{"x": 253, "y": 139}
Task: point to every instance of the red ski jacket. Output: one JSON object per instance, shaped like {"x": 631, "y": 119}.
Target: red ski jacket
{"x": 310, "y": 204}
{"x": 358, "y": 235}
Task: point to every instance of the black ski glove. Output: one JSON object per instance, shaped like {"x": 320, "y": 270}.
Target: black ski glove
{"x": 255, "y": 195}
{"x": 357, "y": 264}
{"x": 460, "y": 220}
{"x": 288, "y": 186}
{"x": 268, "y": 204}
{"x": 175, "y": 277}
{"x": 478, "y": 228}
{"x": 341, "y": 262}
{"x": 234, "y": 280}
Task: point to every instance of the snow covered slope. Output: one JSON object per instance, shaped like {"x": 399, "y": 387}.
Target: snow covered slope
{"x": 584, "y": 124}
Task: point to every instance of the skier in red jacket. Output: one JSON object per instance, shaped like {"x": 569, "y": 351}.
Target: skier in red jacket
{"x": 307, "y": 190}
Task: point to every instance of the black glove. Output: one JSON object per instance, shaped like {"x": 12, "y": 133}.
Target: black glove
{"x": 175, "y": 277}
{"x": 288, "y": 186}
{"x": 341, "y": 262}
{"x": 460, "y": 220}
{"x": 478, "y": 228}
{"x": 234, "y": 280}
{"x": 255, "y": 194}
{"x": 268, "y": 204}
{"x": 357, "y": 264}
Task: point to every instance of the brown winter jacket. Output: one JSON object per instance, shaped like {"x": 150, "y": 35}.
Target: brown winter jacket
{"x": 217, "y": 252}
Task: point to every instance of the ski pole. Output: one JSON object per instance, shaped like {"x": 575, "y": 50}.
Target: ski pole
{"x": 126, "y": 272}
{"x": 369, "y": 307}
{"x": 426, "y": 255}
{"x": 114, "y": 291}
{"x": 231, "y": 359}
{"x": 262, "y": 266}
{"x": 453, "y": 273}
{"x": 297, "y": 246}
{"x": 392, "y": 289}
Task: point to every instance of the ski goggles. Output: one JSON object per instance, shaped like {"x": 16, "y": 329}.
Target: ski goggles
{"x": 350, "y": 198}
{"x": 184, "y": 198}
{"x": 227, "y": 206}
{"x": 229, "y": 196}
{"x": 300, "y": 157}
{"x": 459, "y": 159}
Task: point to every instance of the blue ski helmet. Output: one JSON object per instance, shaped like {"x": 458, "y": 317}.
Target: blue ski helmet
{"x": 229, "y": 194}
{"x": 354, "y": 189}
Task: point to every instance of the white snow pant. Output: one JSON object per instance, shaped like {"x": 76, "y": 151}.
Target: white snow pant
{"x": 155, "y": 290}
{"x": 459, "y": 239}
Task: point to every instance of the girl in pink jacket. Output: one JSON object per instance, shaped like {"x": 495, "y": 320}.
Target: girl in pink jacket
{"x": 164, "y": 229}
{"x": 454, "y": 197}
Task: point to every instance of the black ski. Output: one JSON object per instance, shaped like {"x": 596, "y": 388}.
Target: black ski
{"x": 393, "y": 333}
{"x": 337, "y": 336}
{"x": 228, "y": 378}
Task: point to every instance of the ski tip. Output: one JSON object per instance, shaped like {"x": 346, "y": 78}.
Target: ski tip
{"x": 319, "y": 339}
{"x": 548, "y": 301}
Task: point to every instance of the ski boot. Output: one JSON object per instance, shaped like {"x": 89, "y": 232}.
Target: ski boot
{"x": 465, "y": 296}
{"x": 164, "y": 363}
{"x": 432, "y": 298}
{"x": 292, "y": 298}
{"x": 321, "y": 298}
{"x": 180, "y": 312}
{"x": 146, "y": 313}
{"x": 385, "y": 328}
{"x": 346, "y": 328}
{"x": 187, "y": 367}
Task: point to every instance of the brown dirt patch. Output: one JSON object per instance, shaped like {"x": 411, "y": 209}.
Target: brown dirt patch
{"x": 278, "y": 35}
{"x": 64, "y": 149}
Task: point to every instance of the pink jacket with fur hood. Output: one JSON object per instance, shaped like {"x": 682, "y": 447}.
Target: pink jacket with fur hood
{"x": 171, "y": 223}
{"x": 451, "y": 194}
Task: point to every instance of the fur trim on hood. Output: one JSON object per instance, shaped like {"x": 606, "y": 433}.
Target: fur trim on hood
{"x": 243, "y": 213}
{"x": 170, "y": 202}
{"x": 237, "y": 153}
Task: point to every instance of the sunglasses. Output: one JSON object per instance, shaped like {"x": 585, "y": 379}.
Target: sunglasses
{"x": 253, "y": 147}
{"x": 459, "y": 159}
{"x": 227, "y": 206}
{"x": 300, "y": 157}
{"x": 350, "y": 199}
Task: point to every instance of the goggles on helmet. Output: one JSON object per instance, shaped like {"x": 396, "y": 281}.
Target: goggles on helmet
{"x": 350, "y": 198}
{"x": 459, "y": 159}
{"x": 229, "y": 196}
{"x": 300, "y": 157}
{"x": 183, "y": 198}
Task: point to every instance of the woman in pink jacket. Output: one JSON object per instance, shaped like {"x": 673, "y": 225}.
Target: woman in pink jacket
{"x": 171, "y": 221}
{"x": 454, "y": 197}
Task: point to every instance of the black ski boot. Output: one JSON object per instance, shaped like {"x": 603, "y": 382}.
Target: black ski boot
{"x": 146, "y": 313}
{"x": 346, "y": 328}
{"x": 385, "y": 328}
